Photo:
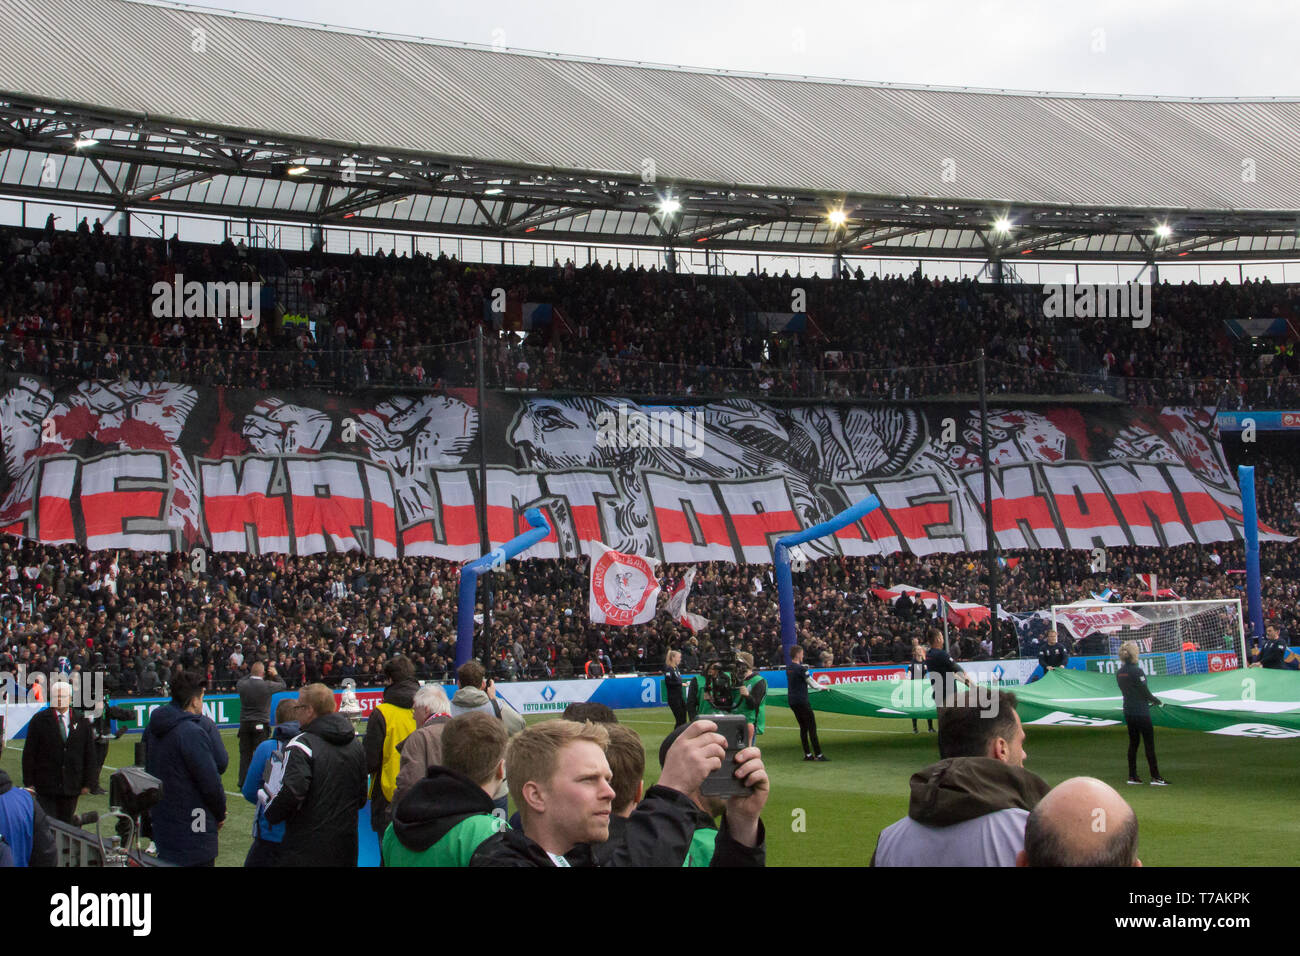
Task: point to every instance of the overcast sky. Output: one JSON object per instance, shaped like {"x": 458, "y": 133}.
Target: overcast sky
{"x": 1189, "y": 48}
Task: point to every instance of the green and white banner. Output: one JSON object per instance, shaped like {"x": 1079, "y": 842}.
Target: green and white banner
{"x": 1239, "y": 703}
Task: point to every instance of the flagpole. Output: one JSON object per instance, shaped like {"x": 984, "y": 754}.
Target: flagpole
{"x": 485, "y": 543}
{"x": 943, "y": 612}
{"x": 991, "y": 544}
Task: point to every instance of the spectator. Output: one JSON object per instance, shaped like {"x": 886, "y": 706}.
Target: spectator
{"x": 255, "y": 693}
{"x": 559, "y": 778}
{"x": 591, "y": 710}
{"x": 263, "y": 780}
{"x": 422, "y": 749}
{"x": 183, "y": 749}
{"x": 626, "y": 757}
{"x": 24, "y": 826}
{"x": 390, "y": 723}
{"x": 970, "y": 808}
{"x": 59, "y": 755}
{"x": 1081, "y": 822}
{"x": 448, "y": 815}
{"x": 324, "y": 786}
{"x": 476, "y": 693}
{"x": 706, "y": 833}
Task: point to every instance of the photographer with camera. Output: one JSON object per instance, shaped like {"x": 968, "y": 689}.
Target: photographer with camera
{"x": 103, "y": 724}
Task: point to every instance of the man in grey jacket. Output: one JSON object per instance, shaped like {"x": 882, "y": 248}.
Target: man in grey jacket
{"x": 970, "y": 808}
{"x": 475, "y": 693}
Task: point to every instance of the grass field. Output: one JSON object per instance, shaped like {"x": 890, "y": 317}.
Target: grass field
{"x": 1230, "y": 802}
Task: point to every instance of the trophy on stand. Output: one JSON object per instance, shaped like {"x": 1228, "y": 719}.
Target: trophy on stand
{"x": 349, "y": 706}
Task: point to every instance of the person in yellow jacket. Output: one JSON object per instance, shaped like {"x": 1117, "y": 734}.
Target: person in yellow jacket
{"x": 391, "y": 722}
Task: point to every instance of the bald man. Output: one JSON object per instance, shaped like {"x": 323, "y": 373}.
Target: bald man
{"x": 1081, "y": 822}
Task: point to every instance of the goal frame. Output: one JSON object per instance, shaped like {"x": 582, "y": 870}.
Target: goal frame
{"x": 1243, "y": 660}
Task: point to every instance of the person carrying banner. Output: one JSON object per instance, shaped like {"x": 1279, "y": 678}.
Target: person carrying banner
{"x": 1137, "y": 713}
{"x": 673, "y": 687}
{"x": 916, "y": 670}
{"x": 1052, "y": 655}
{"x": 799, "y": 681}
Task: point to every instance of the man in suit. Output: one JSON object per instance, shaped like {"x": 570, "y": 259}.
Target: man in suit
{"x": 59, "y": 756}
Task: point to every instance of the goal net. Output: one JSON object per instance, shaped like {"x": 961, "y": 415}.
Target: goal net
{"x": 1174, "y": 637}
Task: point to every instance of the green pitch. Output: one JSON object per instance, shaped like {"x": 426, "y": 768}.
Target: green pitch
{"x": 1228, "y": 803}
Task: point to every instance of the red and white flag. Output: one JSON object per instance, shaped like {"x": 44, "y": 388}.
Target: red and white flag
{"x": 1148, "y": 582}
{"x": 676, "y": 605}
{"x": 624, "y": 587}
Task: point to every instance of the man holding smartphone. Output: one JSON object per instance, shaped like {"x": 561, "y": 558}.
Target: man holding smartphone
{"x": 721, "y": 801}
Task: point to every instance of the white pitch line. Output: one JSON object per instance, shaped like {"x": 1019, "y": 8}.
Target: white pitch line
{"x": 820, "y": 730}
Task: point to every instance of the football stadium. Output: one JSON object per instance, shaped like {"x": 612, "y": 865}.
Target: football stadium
{"x": 429, "y": 453}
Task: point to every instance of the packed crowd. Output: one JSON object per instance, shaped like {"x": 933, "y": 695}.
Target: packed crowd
{"x": 327, "y": 618}
{"x": 80, "y": 305}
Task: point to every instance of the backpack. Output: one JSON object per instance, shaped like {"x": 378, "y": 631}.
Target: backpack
{"x": 272, "y": 781}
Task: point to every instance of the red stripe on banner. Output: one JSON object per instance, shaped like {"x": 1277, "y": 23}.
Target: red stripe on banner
{"x": 1134, "y": 506}
{"x": 1098, "y": 514}
{"x": 105, "y": 513}
{"x": 417, "y": 533}
{"x": 460, "y": 524}
{"x": 383, "y": 522}
{"x": 586, "y": 522}
{"x": 877, "y": 525}
{"x": 1201, "y": 507}
{"x": 752, "y": 530}
{"x": 231, "y": 513}
{"x": 334, "y": 515}
{"x": 1031, "y": 508}
{"x": 505, "y": 523}
{"x": 913, "y": 521}
{"x": 53, "y": 520}
{"x": 675, "y": 529}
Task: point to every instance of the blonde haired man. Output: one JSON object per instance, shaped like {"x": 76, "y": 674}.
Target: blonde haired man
{"x": 560, "y": 781}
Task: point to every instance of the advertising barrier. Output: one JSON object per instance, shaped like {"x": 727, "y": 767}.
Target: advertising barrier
{"x": 552, "y": 696}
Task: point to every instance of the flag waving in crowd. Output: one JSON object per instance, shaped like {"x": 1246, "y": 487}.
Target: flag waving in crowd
{"x": 624, "y": 587}
{"x": 676, "y": 605}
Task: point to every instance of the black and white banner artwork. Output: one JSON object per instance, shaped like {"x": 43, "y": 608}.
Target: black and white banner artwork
{"x": 156, "y": 466}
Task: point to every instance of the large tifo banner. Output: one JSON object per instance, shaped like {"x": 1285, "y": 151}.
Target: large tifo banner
{"x": 156, "y": 466}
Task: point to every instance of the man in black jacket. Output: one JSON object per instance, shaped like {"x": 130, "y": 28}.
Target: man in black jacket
{"x": 324, "y": 786}
{"x": 255, "y": 693}
{"x": 59, "y": 755}
{"x": 559, "y": 778}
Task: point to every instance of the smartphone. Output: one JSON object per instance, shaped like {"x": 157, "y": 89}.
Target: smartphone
{"x": 722, "y": 782}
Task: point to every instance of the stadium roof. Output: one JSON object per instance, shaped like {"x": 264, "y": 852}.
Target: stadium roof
{"x": 205, "y": 112}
